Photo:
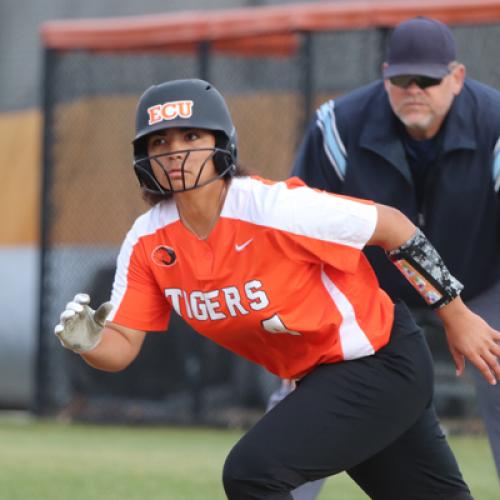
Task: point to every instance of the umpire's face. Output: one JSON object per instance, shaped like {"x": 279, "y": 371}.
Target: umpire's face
{"x": 423, "y": 110}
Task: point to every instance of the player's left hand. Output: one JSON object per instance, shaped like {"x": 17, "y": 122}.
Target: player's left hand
{"x": 469, "y": 336}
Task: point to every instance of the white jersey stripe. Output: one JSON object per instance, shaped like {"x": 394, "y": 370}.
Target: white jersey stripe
{"x": 354, "y": 342}
{"x": 301, "y": 211}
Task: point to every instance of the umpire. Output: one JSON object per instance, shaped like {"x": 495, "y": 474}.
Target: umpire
{"x": 426, "y": 140}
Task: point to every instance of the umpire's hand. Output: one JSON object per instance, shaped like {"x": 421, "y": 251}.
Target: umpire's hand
{"x": 80, "y": 327}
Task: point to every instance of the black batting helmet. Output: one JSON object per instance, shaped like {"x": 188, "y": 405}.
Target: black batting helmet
{"x": 189, "y": 103}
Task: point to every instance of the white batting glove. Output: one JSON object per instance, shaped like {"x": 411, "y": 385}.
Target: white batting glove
{"x": 80, "y": 327}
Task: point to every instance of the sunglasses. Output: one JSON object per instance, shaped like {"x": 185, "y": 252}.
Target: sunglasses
{"x": 423, "y": 82}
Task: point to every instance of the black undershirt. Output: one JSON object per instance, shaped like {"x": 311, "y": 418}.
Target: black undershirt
{"x": 421, "y": 155}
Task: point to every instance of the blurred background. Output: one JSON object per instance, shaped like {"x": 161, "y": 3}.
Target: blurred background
{"x": 72, "y": 72}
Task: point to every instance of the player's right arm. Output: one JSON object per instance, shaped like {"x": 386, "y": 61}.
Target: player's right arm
{"x": 118, "y": 348}
{"x": 103, "y": 345}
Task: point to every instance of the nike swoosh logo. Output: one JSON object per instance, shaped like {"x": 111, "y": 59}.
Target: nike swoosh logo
{"x": 239, "y": 248}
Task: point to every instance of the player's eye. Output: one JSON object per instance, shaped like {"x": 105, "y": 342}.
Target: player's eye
{"x": 192, "y": 136}
{"x": 157, "y": 141}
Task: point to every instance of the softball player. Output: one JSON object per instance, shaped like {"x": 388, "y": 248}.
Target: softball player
{"x": 274, "y": 271}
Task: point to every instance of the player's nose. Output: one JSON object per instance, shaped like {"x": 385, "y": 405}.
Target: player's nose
{"x": 177, "y": 148}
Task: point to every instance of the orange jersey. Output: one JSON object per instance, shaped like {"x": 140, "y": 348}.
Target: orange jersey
{"x": 281, "y": 279}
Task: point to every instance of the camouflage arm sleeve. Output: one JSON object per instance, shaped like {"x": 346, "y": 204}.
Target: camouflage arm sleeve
{"x": 423, "y": 267}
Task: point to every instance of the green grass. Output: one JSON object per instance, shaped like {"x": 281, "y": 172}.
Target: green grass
{"x": 51, "y": 461}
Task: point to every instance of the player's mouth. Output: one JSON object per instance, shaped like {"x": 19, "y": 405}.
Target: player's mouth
{"x": 177, "y": 173}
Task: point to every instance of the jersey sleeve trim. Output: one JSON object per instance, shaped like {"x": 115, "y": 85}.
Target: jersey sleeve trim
{"x": 496, "y": 166}
{"x": 332, "y": 143}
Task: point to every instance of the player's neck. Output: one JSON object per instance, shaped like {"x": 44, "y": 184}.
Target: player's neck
{"x": 199, "y": 209}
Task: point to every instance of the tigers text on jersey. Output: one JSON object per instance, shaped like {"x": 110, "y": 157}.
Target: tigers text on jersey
{"x": 281, "y": 279}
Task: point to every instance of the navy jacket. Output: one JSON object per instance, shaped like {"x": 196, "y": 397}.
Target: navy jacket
{"x": 354, "y": 147}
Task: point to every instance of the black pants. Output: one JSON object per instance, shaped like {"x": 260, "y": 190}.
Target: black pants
{"x": 371, "y": 417}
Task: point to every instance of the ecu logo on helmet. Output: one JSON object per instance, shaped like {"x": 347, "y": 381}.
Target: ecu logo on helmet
{"x": 170, "y": 111}
{"x": 164, "y": 256}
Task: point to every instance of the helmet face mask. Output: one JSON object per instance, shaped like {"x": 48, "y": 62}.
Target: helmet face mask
{"x": 191, "y": 104}
{"x": 150, "y": 182}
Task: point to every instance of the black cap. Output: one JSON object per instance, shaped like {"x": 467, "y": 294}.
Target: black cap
{"x": 420, "y": 46}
